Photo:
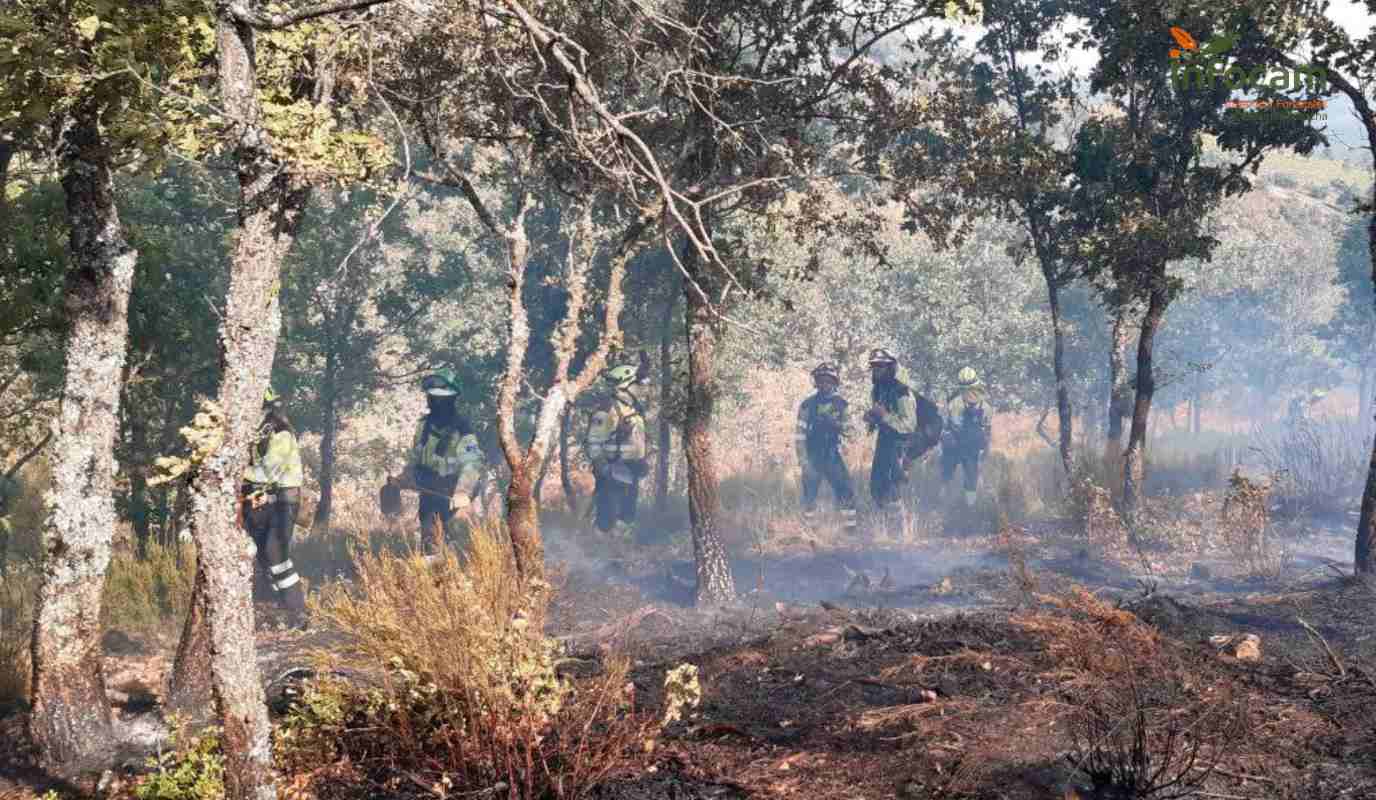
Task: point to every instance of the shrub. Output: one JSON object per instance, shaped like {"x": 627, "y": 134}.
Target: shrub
{"x": 469, "y": 694}
{"x": 1148, "y": 719}
{"x": 192, "y": 769}
{"x": 1246, "y": 528}
{"x": 147, "y": 593}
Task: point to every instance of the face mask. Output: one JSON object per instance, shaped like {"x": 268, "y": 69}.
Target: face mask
{"x": 441, "y": 408}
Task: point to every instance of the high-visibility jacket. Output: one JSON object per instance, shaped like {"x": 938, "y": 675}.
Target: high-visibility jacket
{"x": 617, "y": 434}
{"x": 277, "y": 467}
{"x": 823, "y": 422}
{"x": 447, "y": 454}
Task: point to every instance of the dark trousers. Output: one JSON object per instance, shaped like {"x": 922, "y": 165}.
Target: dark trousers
{"x": 614, "y": 501}
{"x": 832, "y": 469}
{"x": 886, "y": 473}
{"x": 435, "y": 514}
{"x": 271, "y": 525}
{"x": 965, "y": 458}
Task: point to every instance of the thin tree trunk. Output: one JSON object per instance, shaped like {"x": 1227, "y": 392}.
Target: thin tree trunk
{"x": 1364, "y": 397}
{"x": 715, "y": 584}
{"x": 1364, "y": 551}
{"x": 1063, "y": 409}
{"x": 666, "y": 394}
{"x": 71, "y": 719}
{"x": 1146, "y": 387}
{"x": 6, "y": 156}
{"x": 1117, "y": 379}
{"x": 565, "y": 467}
{"x": 329, "y": 438}
{"x": 270, "y": 202}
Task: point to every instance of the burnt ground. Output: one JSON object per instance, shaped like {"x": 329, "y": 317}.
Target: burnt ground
{"x": 913, "y": 670}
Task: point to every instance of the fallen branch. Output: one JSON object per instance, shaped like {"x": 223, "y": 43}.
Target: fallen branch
{"x": 1316, "y": 636}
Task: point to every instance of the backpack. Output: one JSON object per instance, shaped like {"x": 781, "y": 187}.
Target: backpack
{"x": 928, "y": 432}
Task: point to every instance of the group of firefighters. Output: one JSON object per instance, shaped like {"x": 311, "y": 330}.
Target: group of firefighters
{"x": 446, "y": 467}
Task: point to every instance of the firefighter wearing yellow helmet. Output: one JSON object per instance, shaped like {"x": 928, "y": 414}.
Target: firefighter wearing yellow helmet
{"x": 271, "y": 500}
{"x": 445, "y": 465}
{"x": 823, "y": 423}
{"x": 616, "y": 448}
{"x": 968, "y": 432}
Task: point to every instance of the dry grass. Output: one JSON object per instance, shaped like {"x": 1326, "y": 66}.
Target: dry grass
{"x": 1148, "y": 718}
{"x": 470, "y": 696}
{"x": 149, "y": 594}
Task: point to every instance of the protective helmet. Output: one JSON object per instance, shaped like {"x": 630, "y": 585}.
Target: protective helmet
{"x": 622, "y": 376}
{"x": 827, "y": 370}
{"x": 879, "y": 357}
{"x": 441, "y": 383}
{"x": 269, "y": 396}
{"x": 967, "y": 377}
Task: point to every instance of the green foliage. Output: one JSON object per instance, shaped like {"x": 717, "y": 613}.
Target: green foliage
{"x": 193, "y": 769}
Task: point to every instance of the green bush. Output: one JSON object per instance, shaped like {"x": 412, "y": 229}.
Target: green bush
{"x": 192, "y": 770}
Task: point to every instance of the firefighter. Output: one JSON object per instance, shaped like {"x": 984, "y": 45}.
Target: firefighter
{"x": 894, "y": 417}
{"x": 445, "y": 465}
{"x": 823, "y": 423}
{"x": 616, "y": 448}
{"x": 968, "y": 431}
{"x": 271, "y": 499}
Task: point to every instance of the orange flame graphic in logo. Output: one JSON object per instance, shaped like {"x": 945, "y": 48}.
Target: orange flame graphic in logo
{"x": 1184, "y": 39}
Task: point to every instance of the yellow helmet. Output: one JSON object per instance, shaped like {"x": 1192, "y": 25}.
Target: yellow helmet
{"x": 967, "y": 377}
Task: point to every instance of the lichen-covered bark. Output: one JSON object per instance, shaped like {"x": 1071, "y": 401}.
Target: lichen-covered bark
{"x": 71, "y": 714}
{"x": 270, "y": 202}
{"x": 715, "y": 584}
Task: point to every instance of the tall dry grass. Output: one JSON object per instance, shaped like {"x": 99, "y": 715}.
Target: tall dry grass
{"x": 466, "y": 692}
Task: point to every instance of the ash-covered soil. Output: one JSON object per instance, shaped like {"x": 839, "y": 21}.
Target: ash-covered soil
{"x": 905, "y": 669}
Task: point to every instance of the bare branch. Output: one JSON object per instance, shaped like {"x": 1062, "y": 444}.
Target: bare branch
{"x": 274, "y": 22}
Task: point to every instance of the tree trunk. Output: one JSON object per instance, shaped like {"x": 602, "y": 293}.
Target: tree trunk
{"x": 1364, "y": 398}
{"x": 1063, "y": 409}
{"x": 329, "y": 438}
{"x": 565, "y": 468}
{"x": 188, "y": 686}
{"x": 715, "y": 584}
{"x": 270, "y": 202}
{"x": 1117, "y": 379}
{"x": 71, "y": 714}
{"x": 6, "y": 156}
{"x": 666, "y": 394}
{"x": 523, "y": 521}
{"x": 1141, "y": 410}
{"x": 1364, "y": 552}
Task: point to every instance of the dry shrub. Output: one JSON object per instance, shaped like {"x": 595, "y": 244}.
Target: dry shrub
{"x": 1092, "y": 505}
{"x": 148, "y": 593}
{"x": 467, "y": 693}
{"x": 1318, "y": 463}
{"x": 17, "y": 593}
{"x": 1247, "y": 530}
{"x": 1148, "y": 718}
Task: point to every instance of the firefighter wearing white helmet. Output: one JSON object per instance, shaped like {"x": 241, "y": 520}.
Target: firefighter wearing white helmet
{"x": 823, "y": 423}
{"x": 894, "y": 417}
{"x": 271, "y": 500}
{"x": 445, "y": 465}
{"x": 968, "y": 432}
{"x": 616, "y": 448}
